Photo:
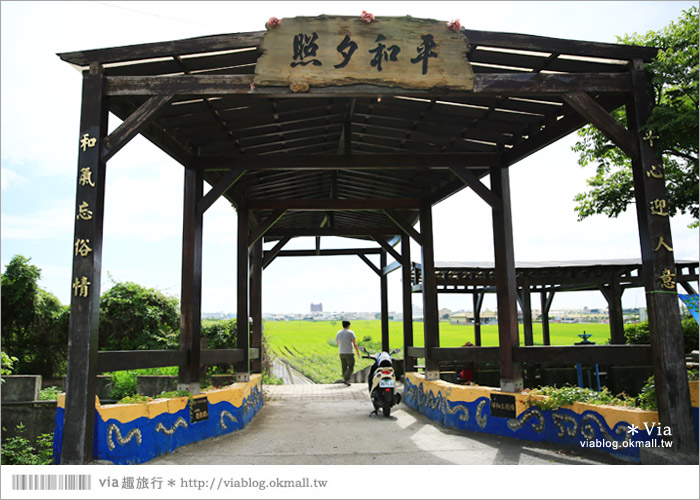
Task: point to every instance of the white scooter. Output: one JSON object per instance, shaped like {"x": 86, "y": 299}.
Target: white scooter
{"x": 382, "y": 381}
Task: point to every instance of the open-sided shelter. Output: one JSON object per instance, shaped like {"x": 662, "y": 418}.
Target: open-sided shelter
{"x": 335, "y": 126}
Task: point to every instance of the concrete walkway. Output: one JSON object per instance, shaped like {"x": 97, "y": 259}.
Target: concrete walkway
{"x": 318, "y": 424}
{"x": 289, "y": 375}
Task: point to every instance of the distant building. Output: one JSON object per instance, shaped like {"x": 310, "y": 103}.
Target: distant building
{"x": 317, "y": 308}
{"x": 461, "y": 319}
{"x": 467, "y": 318}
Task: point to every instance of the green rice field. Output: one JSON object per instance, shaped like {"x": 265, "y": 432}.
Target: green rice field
{"x": 309, "y": 346}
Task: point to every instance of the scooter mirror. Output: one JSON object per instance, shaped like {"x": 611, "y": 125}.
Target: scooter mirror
{"x": 362, "y": 348}
{"x": 395, "y": 351}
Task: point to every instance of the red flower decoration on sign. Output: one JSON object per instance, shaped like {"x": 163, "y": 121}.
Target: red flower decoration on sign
{"x": 367, "y": 17}
{"x": 454, "y": 25}
{"x": 272, "y": 22}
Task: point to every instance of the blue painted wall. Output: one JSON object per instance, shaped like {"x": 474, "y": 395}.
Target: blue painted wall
{"x": 143, "y": 439}
{"x": 560, "y": 426}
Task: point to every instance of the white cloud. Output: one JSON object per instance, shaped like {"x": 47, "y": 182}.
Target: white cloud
{"x": 144, "y": 208}
{"x": 9, "y": 178}
{"x": 50, "y": 224}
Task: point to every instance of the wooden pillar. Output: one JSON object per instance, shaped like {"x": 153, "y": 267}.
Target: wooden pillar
{"x": 613, "y": 295}
{"x": 527, "y": 313}
{"x": 658, "y": 268}
{"x": 242, "y": 281}
{"x": 79, "y": 417}
{"x": 384, "y": 299}
{"x": 431, "y": 326}
{"x": 191, "y": 291}
{"x": 546, "y": 302}
{"x": 409, "y": 362}
{"x": 506, "y": 287}
{"x": 478, "y": 300}
{"x": 256, "y": 329}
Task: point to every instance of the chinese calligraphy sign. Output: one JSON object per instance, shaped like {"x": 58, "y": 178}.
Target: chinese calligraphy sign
{"x": 667, "y": 279}
{"x": 335, "y": 50}
{"x": 86, "y": 177}
{"x": 81, "y": 287}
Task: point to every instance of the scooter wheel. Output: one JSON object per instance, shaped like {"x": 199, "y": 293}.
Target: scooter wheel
{"x": 386, "y": 410}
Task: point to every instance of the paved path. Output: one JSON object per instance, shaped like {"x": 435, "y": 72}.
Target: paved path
{"x": 288, "y": 374}
{"x": 330, "y": 425}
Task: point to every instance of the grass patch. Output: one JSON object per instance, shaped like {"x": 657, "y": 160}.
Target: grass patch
{"x": 50, "y": 393}
{"x": 567, "y": 395}
{"x": 309, "y": 346}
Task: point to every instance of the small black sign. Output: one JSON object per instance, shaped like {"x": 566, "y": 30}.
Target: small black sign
{"x": 199, "y": 409}
{"x": 502, "y": 405}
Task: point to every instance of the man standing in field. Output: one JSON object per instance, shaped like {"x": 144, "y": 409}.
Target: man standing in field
{"x": 345, "y": 339}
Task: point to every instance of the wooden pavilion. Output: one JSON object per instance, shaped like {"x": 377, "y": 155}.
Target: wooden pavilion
{"x": 302, "y": 150}
{"x": 609, "y": 277}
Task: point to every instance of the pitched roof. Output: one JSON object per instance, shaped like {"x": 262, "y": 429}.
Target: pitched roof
{"x": 359, "y": 143}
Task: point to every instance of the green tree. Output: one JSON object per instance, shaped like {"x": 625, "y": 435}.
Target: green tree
{"x": 133, "y": 317}
{"x": 34, "y": 322}
{"x": 639, "y": 334}
{"x": 674, "y": 76}
{"x": 220, "y": 334}
{"x": 19, "y": 291}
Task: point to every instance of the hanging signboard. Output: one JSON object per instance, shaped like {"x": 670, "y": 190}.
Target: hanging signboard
{"x": 404, "y": 52}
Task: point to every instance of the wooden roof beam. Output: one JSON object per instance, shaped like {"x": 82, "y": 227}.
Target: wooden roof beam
{"x": 331, "y": 231}
{"x": 164, "y": 49}
{"x": 569, "y": 123}
{"x": 370, "y": 264}
{"x": 319, "y": 204}
{"x": 348, "y": 162}
{"x": 513, "y": 83}
{"x": 270, "y": 255}
{"x": 265, "y": 226}
{"x": 564, "y": 46}
{"x": 157, "y": 135}
{"x": 473, "y": 182}
{"x": 588, "y": 108}
{"x": 218, "y": 189}
{"x": 386, "y": 246}
{"x": 404, "y": 225}
{"x": 132, "y": 125}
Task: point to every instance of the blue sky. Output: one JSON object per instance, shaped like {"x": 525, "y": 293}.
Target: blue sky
{"x": 40, "y": 115}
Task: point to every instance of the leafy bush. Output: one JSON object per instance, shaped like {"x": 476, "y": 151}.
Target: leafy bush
{"x": 18, "y": 450}
{"x": 34, "y": 322}
{"x": 639, "y": 333}
{"x": 646, "y": 400}
{"x": 691, "y": 334}
{"x": 567, "y": 395}
{"x": 220, "y": 334}
{"x": 175, "y": 394}
{"x": 50, "y": 393}
{"x": 133, "y": 317}
{"x": 8, "y": 363}
{"x": 134, "y": 399}
{"x": 123, "y": 384}
{"x": 269, "y": 379}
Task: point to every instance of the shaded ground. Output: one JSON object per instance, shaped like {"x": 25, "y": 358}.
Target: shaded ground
{"x": 318, "y": 424}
